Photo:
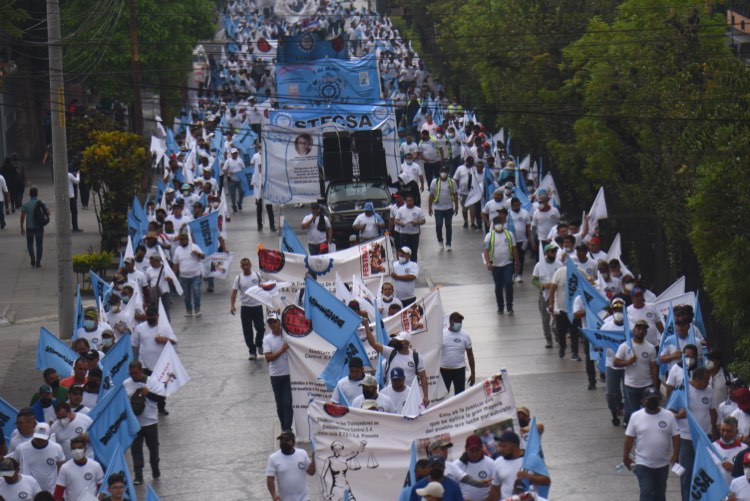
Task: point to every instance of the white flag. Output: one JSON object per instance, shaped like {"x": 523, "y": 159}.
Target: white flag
{"x": 413, "y": 406}
{"x": 129, "y": 249}
{"x": 168, "y": 272}
{"x": 158, "y": 149}
{"x": 674, "y": 290}
{"x": 525, "y": 163}
{"x": 342, "y": 291}
{"x": 270, "y": 294}
{"x": 364, "y": 297}
{"x": 169, "y": 372}
{"x": 163, "y": 326}
{"x": 615, "y": 252}
{"x": 548, "y": 183}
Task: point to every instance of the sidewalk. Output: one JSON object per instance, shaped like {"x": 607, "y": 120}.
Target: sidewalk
{"x": 28, "y": 297}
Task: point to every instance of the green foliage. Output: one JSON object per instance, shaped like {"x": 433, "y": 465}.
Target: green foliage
{"x": 97, "y": 261}
{"x": 11, "y": 17}
{"x": 116, "y": 165}
{"x": 167, "y": 32}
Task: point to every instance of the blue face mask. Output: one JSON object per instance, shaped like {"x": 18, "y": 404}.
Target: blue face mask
{"x": 457, "y": 326}
{"x": 89, "y": 324}
{"x": 125, "y": 299}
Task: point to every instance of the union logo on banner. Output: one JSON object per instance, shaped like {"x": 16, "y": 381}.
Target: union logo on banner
{"x": 306, "y": 42}
{"x": 271, "y": 261}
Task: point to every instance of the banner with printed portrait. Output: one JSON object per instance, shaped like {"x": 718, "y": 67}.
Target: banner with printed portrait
{"x": 308, "y": 46}
{"x": 310, "y": 353}
{"x": 292, "y": 147}
{"x": 367, "y": 453}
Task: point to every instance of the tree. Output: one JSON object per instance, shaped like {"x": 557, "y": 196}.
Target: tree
{"x": 115, "y": 164}
{"x": 99, "y": 45}
{"x": 11, "y": 17}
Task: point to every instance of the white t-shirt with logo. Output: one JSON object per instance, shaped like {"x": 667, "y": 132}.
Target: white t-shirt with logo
{"x": 350, "y": 389}
{"x": 649, "y": 314}
{"x": 461, "y": 177}
{"x": 189, "y": 265}
{"x": 290, "y": 473}
{"x": 728, "y": 453}
{"x": 314, "y": 235}
{"x": 481, "y": 470}
{"x": 64, "y": 434}
{"x": 80, "y": 480}
{"x": 740, "y": 487}
{"x": 454, "y": 349}
{"x": 244, "y": 282}
{"x": 505, "y": 473}
{"x": 26, "y": 488}
{"x": 653, "y": 437}
{"x": 385, "y": 404}
{"x": 405, "y": 289}
{"x": 699, "y": 402}
{"x": 543, "y": 221}
{"x": 408, "y": 216}
{"x": 743, "y": 422}
{"x": 149, "y": 415}
{"x": 397, "y": 397}
{"x": 40, "y": 463}
{"x": 271, "y": 344}
{"x": 637, "y": 375}
{"x": 370, "y": 229}
{"x": 144, "y": 340}
{"x": 520, "y": 220}
{"x": 406, "y": 362}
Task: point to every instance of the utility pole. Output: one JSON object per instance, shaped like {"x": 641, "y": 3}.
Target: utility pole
{"x": 60, "y": 168}
{"x": 135, "y": 72}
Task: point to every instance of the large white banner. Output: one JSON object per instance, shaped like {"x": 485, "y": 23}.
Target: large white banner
{"x": 368, "y": 261}
{"x": 309, "y": 353}
{"x": 368, "y": 452}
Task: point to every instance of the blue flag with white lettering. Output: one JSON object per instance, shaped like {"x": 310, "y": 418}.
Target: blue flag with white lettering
{"x": 53, "y": 353}
{"x": 308, "y": 46}
{"x": 245, "y": 140}
{"x": 708, "y": 479}
{"x": 246, "y": 180}
{"x": 289, "y": 240}
{"x": 119, "y": 466}
{"x": 605, "y": 339}
{"x": 533, "y": 460}
{"x": 114, "y": 425}
{"x": 115, "y": 366}
{"x": 338, "y": 366}
{"x": 150, "y": 494}
{"x": 102, "y": 290}
{"x": 331, "y": 319}
{"x": 205, "y": 232}
{"x": 577, "y": 285}
{"x": 8, "y": 415}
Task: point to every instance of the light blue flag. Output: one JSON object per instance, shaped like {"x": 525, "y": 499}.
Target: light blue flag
{"x": 138, "y": 212}
{"x": 8, "y": 415}
{"x": 331, "y": 319}
{"x": 245, "y": 140}
{"x": 204, "y": 200}
{"x": 150, "y": 494}
{"x": 119, "y": 466}
{"x": 338, "y": 366}
{"x": 172, "y": 147}
{"x": 246, "y": 180}
{"x": 342, "y": 397}
{"x": 78, "y": 321}
{"x": 533, "y": 460}
{"x": 115, "y": 366}
{"x": 205, "y": 232}
{"x": 102, "y": 290}
{"x": 381, "y": 334}
{"x": 667, "y": 337}
{"x": 698, "y": 317}
{"x": 115, "y": 426}
{"x": 289, "y": 240}
{"x": 411, "y": 479}
{"x": 53, "y": 353}
{"x": 604, "y": 339}
{"x": 577, "y": 285}
{"x": 160, "y": 189}
{"x": 708, "y": 481}
{"x": 678, "y": 399}
{"x": 524, "y": 199}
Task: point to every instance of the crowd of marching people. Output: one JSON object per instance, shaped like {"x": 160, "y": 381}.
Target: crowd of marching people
{"x": 672, "y": 394}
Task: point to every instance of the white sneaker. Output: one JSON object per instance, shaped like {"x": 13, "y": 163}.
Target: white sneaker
{"x": 198, "y": 313}
{"x": 189, "y": 313}
{"x": 448, "y": 248}
{"x": 440, "y": 244}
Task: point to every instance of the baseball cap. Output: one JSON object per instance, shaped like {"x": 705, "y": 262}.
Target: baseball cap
{"x": 402, "y": 336}
{"x": 650, "y": 393}
{"x": 42, "y": 431}
{"x": 234, "y": 150}
{"x": 369, "y": 207}
{"x": 439, "y": 443}
{"x": 434, "y": 489}
{"x": 436, "y": 460}
{"x": 369, "y": 380}
{"x": 91, "y": 313}
{"x": 509, "y": 436}
{"x": 8, "y": 467}
{"x": 742, "y": 397}
{"x": 397, "y": 373}
{"x": 523, "y": 410}
{"x": 618, "y": 303}
{"x": 640, "y": 323}
{"x": 405, "y": 250}
{"x": 129, "y": 259}
{"x": 550, "y": 247}
{"x": 272, "y": 316}
{"x": 369, "y": 404}
{"x": 286, "y": 434}
{"x": 637, "y": 291}
{"x": 541, "y": 191}
{"x": 356, "y": 362}
{"x": 45, "y": 388}
{"x": 186, "y": 186}
{"x": 473, "y": 442}
{"x": 746, "y": 458}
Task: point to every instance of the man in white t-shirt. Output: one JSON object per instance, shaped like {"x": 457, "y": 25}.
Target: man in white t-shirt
{"x": 638, "y": 357}
{"x": 443, "y": 202}
{"x": 461, "y": 177}
{"x": 507, "y": 469}
{"x": 288, "y": 467}
{"x": 14, "y": 485}
{"x": 232, "y": 166}
{"x": 140, "y": 383}
{"x": 257, "y": 182}
{"x": 411, "y": 218}
{"x": 386, "y": 299}
{"x": 368, "y": 224}
{"x": 400, "y": 354}
{"x": 319, "y": 230}
{"x": 739, "y": 489}
{"x": 68, "y": 426}
{"x": 274, "y": 351}
{"x": 408, "y": 147}
{"x": 410, "y": 174}
{"x": 372, "y": 397}
{"x": 397, "y": 391}
{"x": 187, "y": 258}
{"x": 728, "y": 447}
{"x": 80, "y": 477}
{"x": 501, "y": 258}
{"x": 476, "y": 465}
{"x": 456, "y": 344}
{"x": 656, "y": 437}
{"x": 640, "y": 310}
{"x": 40, "y": 457}
{"x": 522, "y": 224}
{"x": 348, "y": 386}
{"x": 543, "y": 219}
{"x": 251, "y": 310}
{"x": 541, "y": 278}
{"x": 404, "y": 275}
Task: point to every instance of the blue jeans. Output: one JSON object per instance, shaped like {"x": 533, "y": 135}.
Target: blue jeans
{"x": 234, "y": 187}
{"x": 503, "y": 277}
{"x": 35, "y": 235}
{"x": 687, "y": 458}
{"x": 282, "y": 393}
{"x": 614, "y": 389}
{"x": 632, "y": 400}
{"x": 192, "y": 292}
{"x": 652, "y": 482}
{"x": 444, "y": 217}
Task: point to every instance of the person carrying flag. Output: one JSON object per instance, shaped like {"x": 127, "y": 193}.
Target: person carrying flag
{"x": 638, "y": 358}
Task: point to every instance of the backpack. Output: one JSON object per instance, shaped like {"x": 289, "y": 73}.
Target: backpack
{"x": 41, "y": 214}
{"x": 393, "y": 354}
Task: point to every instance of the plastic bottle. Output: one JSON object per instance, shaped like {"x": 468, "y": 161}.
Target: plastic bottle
{"x": 621, "y": 468}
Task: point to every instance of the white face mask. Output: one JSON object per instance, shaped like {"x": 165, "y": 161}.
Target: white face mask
{"x": 64, "y": 421}
{"x": 710, "y": 365}
{"x": 388, "y": 297}
{"x": 78, "y": 454}
{"x": 443, "y": 175}
{"x": 498, "y": 228}
{"x": 628, "y": 287}
{"x": 106, "y": 342}
{"x": 403, "y": 260}
{"x": 618, "y": 316}
{"x": 689, "y": 361}
{"x": 409, "y": 162}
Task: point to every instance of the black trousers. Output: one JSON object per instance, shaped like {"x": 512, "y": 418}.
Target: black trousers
{"x": 151, "y": 435}
{"x": 455, "y": 376}
{"x": 74, "y": 212}
{"x": 282, "y": 393}
{"x": 252, "y": 319}
{"x": 259, "y": 213}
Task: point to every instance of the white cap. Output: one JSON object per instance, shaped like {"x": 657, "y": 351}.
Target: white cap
{"x": 272, "y": 316}
{"x": 402, "y": 336}
{"x": 234, "y": 150}
{"x": 369, "y": 405}
{"x": 405, "y": 250}
{"x": 434, "y": 489}
{"x": 42, "y": 430}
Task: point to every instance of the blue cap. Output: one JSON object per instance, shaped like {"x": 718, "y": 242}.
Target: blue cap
{"x": 369, "y": 207}
{"x": 397, "y": 373}
{"x": 541, "y": 191}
